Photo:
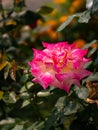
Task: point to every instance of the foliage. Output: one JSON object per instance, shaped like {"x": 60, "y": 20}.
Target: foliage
{"x": 24, "y": 104}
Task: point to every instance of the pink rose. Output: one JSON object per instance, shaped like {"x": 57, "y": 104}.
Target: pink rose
{"x": 59, "y": 65}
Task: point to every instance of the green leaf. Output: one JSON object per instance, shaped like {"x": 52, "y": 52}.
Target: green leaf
{"x": 91, "y": 52}
{"x": 89, "y": 44}
{"x": 93, "y": 77}
{"x": 24, "y": 78}
{"x": 44, "y": 93}
{"x": 3, "y": 64}
{"x": 89, "y": 3}
{"x": 82, "y": 92}
{"x": 96, "y": 62}
{"x": 45, "y": 10}
{"x": 18, "y": 127}
{"x": 63, "y": 25}
{"x": 1, "y": 7}
{"x": 7, "y": 121}
{"x": 25, "y": 96}
{"x": 60, "y": 103}
{"x": 65, "y": 107}
{"x": 25, "y": 103}
{"x": 83, "y": 18}
{"x": 17, "y": 9}
{"x": 38, "y": 125}
{"x": 6, "y": 70}
{"x": 22, "y": 66}
{"x": 94, "y": 7}
{"x": 68, "y": 106}
{"x": 19, "y": 3}
{"x": 28, "y": 85}
{"x": 87, "y": 65}
{"x": 9, "y": 97}
{"x": 51, "y": 120}
{"x": 1, "y": 94}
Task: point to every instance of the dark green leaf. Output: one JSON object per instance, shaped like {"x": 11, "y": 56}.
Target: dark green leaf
{"x": 96, "y": 62}
{"x": 24, "y": 78}
{"x": 1, "y": 7}
{"x": 51, "y": 120}
{"x": 45, "y": 10}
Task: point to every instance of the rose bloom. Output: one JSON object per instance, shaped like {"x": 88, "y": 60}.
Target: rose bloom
{"x": 59, "y": 65}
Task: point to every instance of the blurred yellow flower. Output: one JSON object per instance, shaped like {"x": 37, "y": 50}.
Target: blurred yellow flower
{"x": 10, "y": 22}
{"x": 53, "y": 34}
{"x": 49, "y": 29}
{"x": 95, "y": 45}
{"x": 51, "y": 23}
{"x": 79, "y": 43}
{"x": 39, "y": 22}
{"x": 17, "y": 1}
{"x": 76, "y": 4}
{"x": 63, "y": 18}
{"x": 72, "y": 10}
{"x": 59, "y": 1}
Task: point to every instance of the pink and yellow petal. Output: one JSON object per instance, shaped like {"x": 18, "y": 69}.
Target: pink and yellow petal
{"x": 44, "y": 79}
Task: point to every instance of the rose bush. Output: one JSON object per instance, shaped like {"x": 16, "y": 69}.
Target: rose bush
{"x": 59, "y": 65}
